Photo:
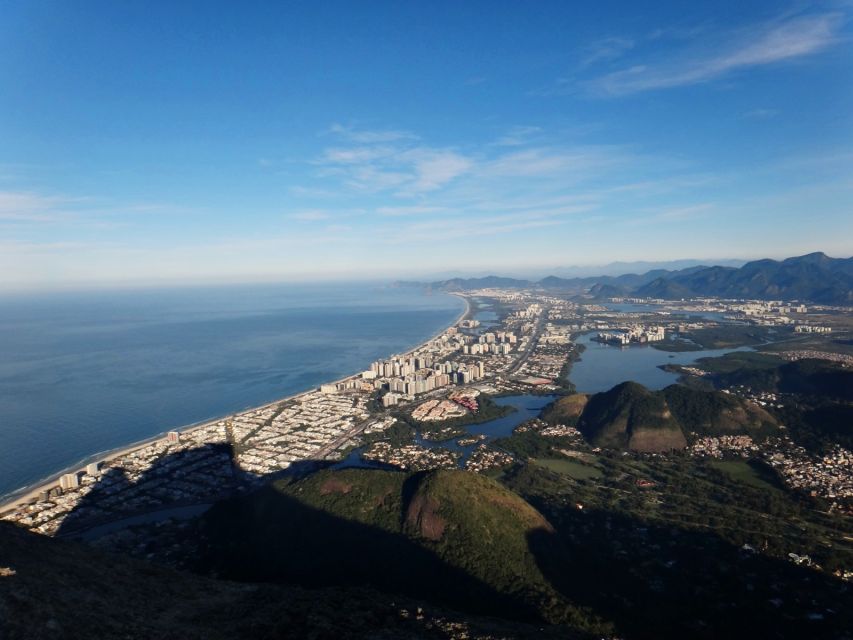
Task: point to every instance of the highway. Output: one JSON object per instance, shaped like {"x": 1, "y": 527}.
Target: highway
{"x": 531, "y": 344}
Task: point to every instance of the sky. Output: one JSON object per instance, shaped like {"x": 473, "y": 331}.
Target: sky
{"x": 147, "y": 142}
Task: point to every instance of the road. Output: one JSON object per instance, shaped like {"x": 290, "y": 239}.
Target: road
{"x": 531, "y": 344}
{"x": 321, "y": 453}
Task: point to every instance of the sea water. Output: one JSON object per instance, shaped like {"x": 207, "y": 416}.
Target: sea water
{"x": 86, "y": 372}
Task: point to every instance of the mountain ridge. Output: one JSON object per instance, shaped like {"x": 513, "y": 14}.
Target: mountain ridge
{"x": 813, "y": 277}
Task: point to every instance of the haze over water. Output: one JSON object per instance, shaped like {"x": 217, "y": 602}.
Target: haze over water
{"x": 82, "y": 373}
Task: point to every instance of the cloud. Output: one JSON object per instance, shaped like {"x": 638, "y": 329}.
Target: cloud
{"x": 403, "y": 165}
{"x": 545, "y": 161}
{"x": 434, "y": 168}
{"x": 443, "y": 229}
{"x": 517, "y": 136}
{"x": 683, "y": 213}
{"x": 364, "y": 136}
{"x": 22, "y": 205}
{"x": 309, "y": 216}
{"x": 416, "y": 210}
{"x": 606, "y": 49}
{"x": 357, "y": 155}
{"x": 770, "y": 43}
{"x": 760, "y": 114}
{"x": 27, "y": 207}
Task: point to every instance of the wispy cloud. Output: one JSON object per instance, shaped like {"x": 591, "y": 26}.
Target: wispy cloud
{"x": 28, "y": 207}
{"x": 606, "y": 49}
{"x": 760, "y": 114}
{"x": 777, "y": 41}
{"x": 403, "y": 165}
{"x": 548, "y": 161}
{"x": 683, "y": 213}
{"x": 309, "y": 216}
{"x": 366, "y": 136}
{"x": 23, "y": 205}
{"x": 434, "y": 168}
{"x": 415, "y": 210}
{"x": 517, "y": 136}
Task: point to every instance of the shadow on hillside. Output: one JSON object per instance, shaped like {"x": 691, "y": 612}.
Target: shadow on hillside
{"x": 665, "y": 582}
{"x": 274, "y": 537}
{"x": 653, "y": 582}
{"x": 187, "y": 477}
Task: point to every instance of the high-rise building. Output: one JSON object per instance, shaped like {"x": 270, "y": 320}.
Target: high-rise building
{"x": 69, "y": 481}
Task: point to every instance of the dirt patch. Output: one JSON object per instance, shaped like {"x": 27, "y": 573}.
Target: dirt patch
{"x": 333, "y": 485}
{"x": 423, "y": 516}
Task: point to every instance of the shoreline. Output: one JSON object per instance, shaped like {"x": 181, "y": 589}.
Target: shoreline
{"x": 24, "y": 495}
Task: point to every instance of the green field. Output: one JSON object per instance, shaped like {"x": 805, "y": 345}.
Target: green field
{"x": 743, "y": 471}
{"x": 572, "y": 468}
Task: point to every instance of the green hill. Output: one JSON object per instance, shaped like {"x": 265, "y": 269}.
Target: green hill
{"x": 629, "y": 416}
{"x": 52, "y": 588}
{"x": 710, "y": 413}
{"x": 443, "y": 535}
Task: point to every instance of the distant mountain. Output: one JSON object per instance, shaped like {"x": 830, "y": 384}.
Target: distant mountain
{"x": 812, "y": 278}
{"x": 486, "y": 282}
{"x": 631, "y": 417}
{"x": 641, "y": 266}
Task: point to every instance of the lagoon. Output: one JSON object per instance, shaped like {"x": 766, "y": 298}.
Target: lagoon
{"x": 603, "y": 366}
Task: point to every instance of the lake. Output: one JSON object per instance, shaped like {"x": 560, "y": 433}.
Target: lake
{"x": 603, "y": 366}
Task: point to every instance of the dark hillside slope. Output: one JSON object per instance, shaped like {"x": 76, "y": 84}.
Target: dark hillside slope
{"x": 450, "y": 536}
{"x": 54, "y": 589}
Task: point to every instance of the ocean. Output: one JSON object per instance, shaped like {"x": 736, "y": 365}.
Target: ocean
{"x": 85, "y": 372}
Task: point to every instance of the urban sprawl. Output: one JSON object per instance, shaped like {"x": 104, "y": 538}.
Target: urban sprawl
{"x": 524, "y": 350}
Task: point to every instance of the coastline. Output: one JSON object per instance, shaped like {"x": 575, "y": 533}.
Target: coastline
{"x": 25, "y": 494}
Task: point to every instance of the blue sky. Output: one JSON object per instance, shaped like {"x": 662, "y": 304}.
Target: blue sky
{"x": 180, "y": 141}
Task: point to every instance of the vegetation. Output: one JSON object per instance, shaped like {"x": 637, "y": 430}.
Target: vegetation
{"x": 629, "y": 416}
{"x": 727, "y": 336}
{"x": 565, "y": 410}
{"x": 572, "y": 468}
{"x": 712, "y": 413}
{"x": 657, "y": 545}
{"x": 751, "y": 472}
{"x": 398, "y": 434}
{"x": 765, "y": 372}
{"x": 61, "y": 589}
{"x": 488, "y": 410}
{"x": 451, "y": 536}
{"x": 818, "y": 408}
{"x": 529, "y": 444}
